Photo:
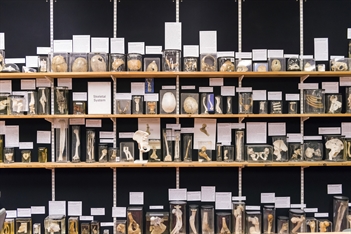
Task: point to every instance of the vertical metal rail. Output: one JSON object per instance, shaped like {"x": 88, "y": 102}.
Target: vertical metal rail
{"x": 177, "y": 92}
{"x": 114, "y": 18}
{"x": 52, "y": 102}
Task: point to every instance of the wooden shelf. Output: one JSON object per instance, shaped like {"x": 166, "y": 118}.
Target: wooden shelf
{"x": 51, "y": 165}
{"x": 172, "y": 74}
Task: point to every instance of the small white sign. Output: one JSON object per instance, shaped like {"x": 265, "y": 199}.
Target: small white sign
{"x": 187, "y": 130}
{"x": 345, "y": 81}
{"x": 312, "y": 138}
{"x": 188, "y": 87}
{"x": 253, "y": 208}
{"x": 77, "y": 121}
{"x": 259, "y": 95}
{"x": 208, "y": 42}
{"x": 24, "y": 212}
{"x": 99, "y": 44}
{"x": 80, "y": 96}
{"x": 275, "y": 53}
{"x": 191, "y": 50}
{"x": 294, "y": 137}
{"x": 276, "y": 129}
{"x": 43, "y": 82}
{"x": 65, "y": 82}
{"x": 119, "y": 212}
{"x": 292, "y": 97}
{"x": 194, "y": 196}
{"x": 104, "y": 134}
{"x": 311, "y": 210}
{"x": 321, "y": 215}
{"x": 25, "y": 145}
{"x": 136, "y": 47}
{"x": 243, "y": 55}
{"x": 177, "y": 194}
{"x": 282, "y": 202}
{"x": 205, "y": 89}
{"x": 208, "y": 193}
{"x": 330, "y": 87}
{"x": 348, "y": 33}
{"x": 244, "y": 89}
{"x": 259, "y": 55}
{"x": 300, "y": 206}
{"x": 346, "y": 129}
{"x": 86, "y": 218}
{"x": 256, "y": 132}
{"x": 93, "y": 123}
{"x": 11, "y": 213}
{"x": 43, "y": 50}
{"x": 2, "y": 41}
{"x": 216, "y": 81}
{"x": 62, "y": 46}
{"x": 97, "y": 211}
{"x": 156, "y": 207}
{"x": 225, "y": 54}
{"x": 57, "y": 207}
{"x": 136, "y": 198}
{"x": 168, "y": 87}
{"x": 223, "y": 201}
{"x": 43, "y": 137}
{"x": 15, "y": 60}
{"x": 151, "y": 97}
{"x": 274, "y": 96}
{"x": 321, "y": 49}
{"x": 153, "y": 49}
{"x": 81, "y": 43}
{"x": 267, "y": 197}
{"x": 117, "y": 45}
{"x": 31, "y": 61}
{"x": 37, "y": 209}
{"x": 28, "y": 84}
{"x": 75, "y": 208}
{"x": 334, "y": 188}
{"x": 228, "y": 90}
{"x": 331, "y": 130}
{"x": 99, "y": 97}
{"x": 137, "y": 88}
{"x": 173, "y": 35}
{"x": 5, "y": 86}
{"x": 308, "y": 85}
{"x": 106, "y": 224}
{"x": 126, "y": 135}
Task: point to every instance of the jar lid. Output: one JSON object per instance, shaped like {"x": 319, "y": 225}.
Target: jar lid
{"x": 223, "y": 214}
{"x": 283, "y": 218}
{"x": 177, "y": 202}
{"x": 253, "y": 212}
{"x": 193, "y": 206}
{"x": 297, "y": 211}
{"x": 269, "y": 207}
{"x": 207, "y": 207}
{"x": 343, "y": 198}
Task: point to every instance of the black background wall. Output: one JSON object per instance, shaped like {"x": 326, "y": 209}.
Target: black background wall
{"x": 271, "y": 24}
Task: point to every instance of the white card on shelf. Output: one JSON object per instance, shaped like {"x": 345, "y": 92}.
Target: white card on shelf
{"x": 86, "y": 218}
{"x": 57, "y": 207}
{"x": 43, "y": 50}
{"x": 173, "y": 36}
{"x": 259, "y": 55}
{"x": 224, "y": 132}
{"x": 259, "y": 95}
{"x": 156, "y": 207}
{"x": 225, "y": 54}
{"x": 168, "y": 87}
{"x": 194, "y": 196}
{"x": 267, "y": 197}
{"x": 208, "y": 42}
{"x": 228, "y": 90}
{"x": 275, "y": 53}
{"x": 276, "y": 129}
{"x": 300, "y": 206}
{"x": 99, "y": 97}
{"x": 292, "y": 97}
{"x": 5, "y": 86}
{"x": 321, "y": 49}
{"x": 311, "y": 210}
{"x": 223, "y": 201}
{"x": 329, "y": 130}
{"x": 306, "y": 56}
{"x": 2, "y": 41}
{"x": 205, "y": 89}
{"x": 294, "y": 137}
{"x": 42, "y": 82}
{"x": 43, "y": 137}
{"x": 63, "y": 46}
{"x": 282, "y": 202}
{"x": 208, "y": 193}
{"x": 77, "y": 121}
{"x": 256, "y": 132}
{"x": 106, "y": 141}
{"x": 97, "y": 211}
{"x": 348, "y": 34}
{"x": 151, "y": 97}
{"x": 153, "y": 49}
{"x": 312, "y": 138}
{"x": 253, "y": 208}
{"x": 75, "y": 208}
{"x": 24, "y": 212}
{"x": 187, "y": 130}
{"x": 37, "y": 209}
{"x": 321, "y": 215}
{"x": 65, "y": 82}
{"x": 188, "y": 87}
{"x": 308, "y": 85}
{"x": 2, "y": 128}
{"x": 239, "y": 198}
{"x": 26, "y": 145}
{"x": 330, "y": 87}
{"x": 93, "y": 123}
{"x": 173, "y": 126}
{"x": 244, "y": 89}
{"x": 31, "y": 61}
{"x": 117, "y": 45}
{"x": 11, "y": 213}
{"x": 136, "y": 198}
{"x": 125, "y": 135}
{"x": 15, "y": 60}
{"x": 191, "y": 51}
{"x": 291, "y": 55}
{"x": 243, "y": 55}
{"x": 27, "y": 84}
{"x": 337, "y": 57}
{"x": 177, "y": 194}
{"x": 345, "y": 129}
{"x": 334, "y": 188}
{"x": 136, "y": 47}
{"x": 106, "y": 224}
{"x": 99, "y": 45}
{"x": 81, "y": 43}
{"x": 80, "y": 96}
{"x": 275, "y": 96}
{"x": 119, "y": 212}
{"x": 11, "y": 135}
{"x": 104, "y": 134}
{"x": 137, "y": 88}
{"x": 123, "y": 96}
{"x": 216, "y": 81}
{"x": 345, "y": 81}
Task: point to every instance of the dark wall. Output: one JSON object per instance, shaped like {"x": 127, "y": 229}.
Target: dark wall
{"x": 272, "y": 24}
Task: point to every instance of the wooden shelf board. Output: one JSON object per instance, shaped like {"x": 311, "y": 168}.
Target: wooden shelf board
{"x": 50, "y": 165}
{"x": 172, "y": 74}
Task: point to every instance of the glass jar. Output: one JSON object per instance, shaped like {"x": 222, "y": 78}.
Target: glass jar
{"x": 297, "y": 221}
{"x": 171, "y": 60}
{"x": 61, "y": 101}
{"x": 340, "y": 213}
{"x": 117, "y": 62}
{"x": 313, "y": 101}
{"x": 17, "y": 104}
{"x": 207, "y": 220}
{"x": 178, "y": 216}
{"x": 44, "y": 101}
{"x": 190, "y": 64}
{"x": 4, "y": 103}
{"x": 134, "y": 62}
{"x": 226, "y": 64}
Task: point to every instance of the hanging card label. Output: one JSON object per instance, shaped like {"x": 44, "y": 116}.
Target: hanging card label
{"x": 326, "y": 131}
{"x": 208, "y": 42}
{"x": 205, "y": 89}
{"x": 345, "y": 81}
{"x": 259, "y": 95}
{"x": 330, "y": 87}
{"x": 80, "y": 96}
{"x": 282, "y": 202}
{"x": 63, "y": 46}
{"x": 194, "y": 196}
{"x": 77, "y": 121}
{"x": 259, "y": 55}
{"x": 31, "y": 61}
{"x": 81, "y": 43}
{"x": 5, "y": 86}
{"x": 28, "y": 84}
{"x": 136, "y": 47}
{"x": 274, "y": 96}
{"x": 308, "y": 85}
{"x": 208, "y": 193}
{"x": 37, "y": 209}
{"x": 321, "y": 49}
{"x": 136, "y": 198}
{"x": 276, "y": 129}
{"x": 119, "y": 212}
{"x": 292, "y": 97}
{"x": 216, "y": 81}
{"x": 93, "y": 123}
{"x": 173, "y": 36}
{"x": 177, "y": 194}
{"x": 57, "y": 207}
{"x": 2, "y": 41}
{"x": 191, "y": 51}
{"x": 334, "y": 188}
{"x": 267, "y": 197}
{"x": 117, "y": 45}
{"x": 153, "y": 49}
{"x": 275, "y": 53}
{"x": 43, "y": 50}
{"x": 228, "y": 90}
{"x": 74, "y": 208}
{"x": 99, "y": 45}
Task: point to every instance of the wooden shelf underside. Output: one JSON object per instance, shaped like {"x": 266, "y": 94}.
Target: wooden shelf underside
{"x": 172, "y": 74}
{"x": 51, "y": 165}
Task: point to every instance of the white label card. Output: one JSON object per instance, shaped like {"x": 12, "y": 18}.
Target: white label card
{"x": 334, "y": 188}
{"x": 64, "y": 46}
{"x": 253, "y": 208}
{"x": 153, "y": 49}
{"x": 294, "y": 137}
{"x": 86, "y": 218}
{"x": 208, "y": 193}
{"x": 37, "y": 209}
{"x": 346, "y": 129}
{"x": 31, "y": 61}
{"x": 208, "y": 42}
{"x": 99, "y": 44}
{"x": 2, "y": 128}
{"x": 156, "y": 207}
{"x": 292, "y": 97}
{"x": 242, "y": 198}
{"x": 137, "y": 88}
{"x": 224, "y": 132}
{"x": 43, "y": 137}
{"x": 57, "y": 207}
{"x": 228, "y": 90}
{"x": 191, "y": 50}
{"x": 15, "y": 60}
{"x": 345, "y": 81}
{"x": 267, "y": 197}
{"x": 42, "y": 82}
{"x": 323, "y": 131}
{"x": 225, "y": 54}
{"x": 348, "y": 34}
{"x": 244, "y": 89}
{"x": 274, "y": 96}
{"x": 311, "y": 210}
{"x": 97, "y": 211}
{"x": 24, "y": 212}
{"x": 2, "y": 41}
{"x": 26, "y": 145}
{"x": 43, "y": 50}
{"x": 256, "y": 132}
{"x": 103, "y": 134}
{"x": 173, "y": 35}
{"x": 136, "y": 47}
{"x": 205, "y": 89}
{"x": 123, "y": 96}
{"x": 177, "y": 194}
{"x": 81, "y": 43}
{"x": 27, "y": 84}
{"x": 194, "y": 196}
{"x": 106, "y": 224}
{"x": 187, "y": 130}
{"x": 282, "y": 202}
{"x": 136, "y": 198}
{"x": 11, "y": 213}
{"x": 75, "y": 208}
{"x": 5, "y": 86}
{"x": 223, "y": 201}
{"x": 321, "y": 49}
{"x": 300, "y": 206}
{"x": 275, "y": 53}
{"x": 276, "y": 129}
{"x": 330, "y": 87}
{"x": 77, "y": 121}
{"x": 99, "y": 98}
{"x": 308, "y": 85}
{"x": 188, "y": 87}
{"x": 106, "y": 141}
{"x": 321, "y": 215}
{"x": 80, "y": 96}
{"x": 151, "y": 97}
{"x": 93, "y": 123}
{"x": 117, "y": 45}
{"x": 243, "y": 55}
{"x": 259, "y": 55}
{"x": 216, "y": 81}
{"x": 65, "y": 82}
{"x": 259, "y": 95}
{"x": 126, "y": 134}
{"x": 168, "y": 87}
{"x": 119, "y": 212}
{"x": 312, "y": 137}
{"x": 12, "y": 136}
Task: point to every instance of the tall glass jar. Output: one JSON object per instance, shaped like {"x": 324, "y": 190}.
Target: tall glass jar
{"x": 253, "y": 222}
{"x": 43, "y": 63}
{"x": 340, "y": 213}
{"x": 171, "y": 60}
{"x": 90, "y": 146}
{"x": 238, "y": 217}
{"x": 194, "y": 219}
{"x": 17, "y": 104}
{"x": 187, "y": 147}
{"x": 283, "y": 225}
{"x": 313, "y": 101}
{"x": 76, "y": 144}
{"x": 178, "y": 216}
{"x": 4, "y": 103}
{"x": 269, "y": 219}
{"x": 61, "y": 101}
{"x": 62, "y": 140}
{"x": 42, "y": 154}
{"x": 117, "y": 62}
{"x": 44, "y": 101}
{"x": 223, "y": 223}
{"x": 245, "y": 103}
{"x": 348, "y": 99}
{"x": 207, "y": 220}
{"x": 239, "y": 145}
{"x": 297, "y": 220}
{"x": 32, "y": 103}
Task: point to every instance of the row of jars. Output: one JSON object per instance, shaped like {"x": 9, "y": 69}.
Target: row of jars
{"x": 200, "y": 220}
